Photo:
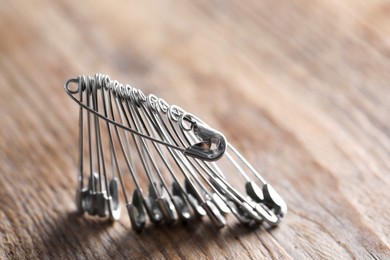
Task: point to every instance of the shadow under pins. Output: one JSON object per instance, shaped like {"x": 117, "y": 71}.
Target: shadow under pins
{"x": 76, "y": 236}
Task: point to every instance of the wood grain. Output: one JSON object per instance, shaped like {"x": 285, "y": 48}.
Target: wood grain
{"x": 301, "y": 87}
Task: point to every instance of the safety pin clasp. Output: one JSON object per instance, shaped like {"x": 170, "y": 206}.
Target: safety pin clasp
{"x": 212, "y": 145}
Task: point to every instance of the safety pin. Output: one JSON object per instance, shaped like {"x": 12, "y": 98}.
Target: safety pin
{"x": 191, "y": 161}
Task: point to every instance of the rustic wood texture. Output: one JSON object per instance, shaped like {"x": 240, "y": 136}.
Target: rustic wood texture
{"x": 301, "y": 87}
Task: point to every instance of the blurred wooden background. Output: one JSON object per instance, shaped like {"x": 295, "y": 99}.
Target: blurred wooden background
{"x": 301, "y": 87}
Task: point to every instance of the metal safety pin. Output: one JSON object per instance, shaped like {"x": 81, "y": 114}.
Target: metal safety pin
{"x": 179, "y": 173}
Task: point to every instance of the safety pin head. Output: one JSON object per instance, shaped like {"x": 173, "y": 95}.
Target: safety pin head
{"x": 212, "y": 143}
{"x": 273, "y": 200}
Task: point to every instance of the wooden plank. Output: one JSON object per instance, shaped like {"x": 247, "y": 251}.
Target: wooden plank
{"x": 301, "y": 87}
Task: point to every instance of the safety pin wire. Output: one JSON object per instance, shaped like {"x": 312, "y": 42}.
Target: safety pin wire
{"x": 91, "y": 159}
{"x": 221, "y": 204}
{"x": 114, "y": 161}
{"x": 187, "y": 167}
{"x": 193, "y": 166}
{"x": 112, "y": 147}
{"x": 122, "y": 126}
{"x": 202, "y": 206}
{"x": 129, "y": 165}
{"x": 157, "y": 130}
{"x": 81, "y": 145}
{"x": 146, "y": 149}
{"x": 236, "y": 196}
{"x": 166, "y": 208}
{"x": 226, "y": 187}
{"x": 181, "y": 163}
{"x": 152, "y": 209}
{"x": 99, "y": 149}
{"x": 132, "y": 110}
{"x": 180, "y": 160}
{"x": 208, "y": 202}
{"x": 139, "y": 150}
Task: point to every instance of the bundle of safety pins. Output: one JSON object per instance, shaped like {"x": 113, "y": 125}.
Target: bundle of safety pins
{"x": 167, "y": 162}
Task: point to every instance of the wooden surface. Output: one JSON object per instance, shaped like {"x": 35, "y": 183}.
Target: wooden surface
{"x": 301, "y": 87}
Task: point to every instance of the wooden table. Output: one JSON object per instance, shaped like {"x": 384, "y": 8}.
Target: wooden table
{"x": 300, "y": 87}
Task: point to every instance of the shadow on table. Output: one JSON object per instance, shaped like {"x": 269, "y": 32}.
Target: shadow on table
{"x": 75, "y": 236}
{"x": 198, "y": 239}
{"x": 72, "y": 235}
